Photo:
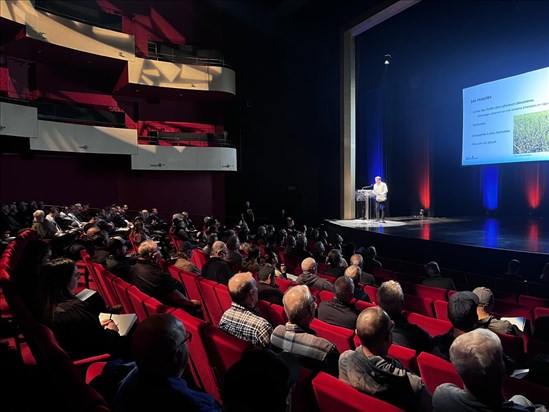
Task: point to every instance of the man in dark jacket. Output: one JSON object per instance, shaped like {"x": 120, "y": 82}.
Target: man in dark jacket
{"x": 310, "y": 278}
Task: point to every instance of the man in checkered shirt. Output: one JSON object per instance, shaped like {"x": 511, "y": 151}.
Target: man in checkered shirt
{"x": 241, "y": 319}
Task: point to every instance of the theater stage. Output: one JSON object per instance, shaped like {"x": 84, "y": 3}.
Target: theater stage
{"x": 481, "y": 245}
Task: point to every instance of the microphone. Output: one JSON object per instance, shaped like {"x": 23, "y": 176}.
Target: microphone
{"x": 367, "y": 187}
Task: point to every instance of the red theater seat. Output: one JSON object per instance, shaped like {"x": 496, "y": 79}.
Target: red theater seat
{"x": 210, "y": 300}
{"x": 433, "y": 326}
{"x": 435, "y": 371}
{"x": 342, "y": 337}
{"x": 333, "y": 394}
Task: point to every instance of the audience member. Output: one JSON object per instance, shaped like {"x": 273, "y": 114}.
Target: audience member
{"x": 478, "y": 359}
{"x": 298, "y": 338}
{"x": 38, "y": 225}
{"x": 319, "y": 251}
{"x": 216, "y": 268}
{"x": 513, "y": 270}
{"x": 241, "y": 319}
{"x": 370, "y": 261}
{"x": 365, "y": 278}
{"x": 151, "y": 279}
{"x": 310, "y": 278}
{"x": 462, "y": 313}
{"x": 485, "y": 317}
{"x": 391, "y": 299}
{"x": 184, "y": 258}
{"x": 369, "y": 369}
{"x": 116, "y": 262}
{"x": 75, "y": 322}
{"x": 251, "y": 262}
{"x": 544, "y": 277}
{"x": 340, "y": 311}
{"x": 435, "y": 279}
{"x": 335, "y": 264}
{"x": 233, "y": 253}
{"x": 159, "y": 347}
{"x": 267, "y": 288}
{"x": 354, "y": 272}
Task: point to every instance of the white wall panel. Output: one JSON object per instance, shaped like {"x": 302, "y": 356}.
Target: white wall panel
{"x": 67, "y": 137}
{"x": 184, "y": 158}
{"x": 181, "y": 76}
{"x": 17, "y": 120}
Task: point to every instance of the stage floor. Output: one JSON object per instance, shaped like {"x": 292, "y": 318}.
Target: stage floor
{"x": 529, "y": 235}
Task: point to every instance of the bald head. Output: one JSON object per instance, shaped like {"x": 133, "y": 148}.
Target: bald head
{"x": 219, "y": 249}
{"x": 299, "y": 305}
{"x": 157, "y": 345}
{"x": 357, "y": 260}
{"x": 353, "y": 272}
{"x": 390, "y": 297}
{"x": 373, "y": 327}
{"x": 243, "y": 289}
{"x": 478, "y": 359}
{"x": 308, "y": 265}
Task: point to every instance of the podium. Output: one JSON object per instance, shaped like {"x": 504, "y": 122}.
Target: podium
{"x": 364, "y": 195}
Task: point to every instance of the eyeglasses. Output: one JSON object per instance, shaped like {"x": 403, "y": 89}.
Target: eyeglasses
{"x": 392, "y": 326}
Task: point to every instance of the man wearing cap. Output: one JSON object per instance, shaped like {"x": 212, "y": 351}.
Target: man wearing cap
{"x": 267, "y": 288}
{"x": 462, "y": 312}
{"x": 116, "y": 262}
{"x": 486, "y": 319}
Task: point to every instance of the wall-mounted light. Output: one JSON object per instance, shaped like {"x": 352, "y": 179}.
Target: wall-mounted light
{"x": 387, "y": 59}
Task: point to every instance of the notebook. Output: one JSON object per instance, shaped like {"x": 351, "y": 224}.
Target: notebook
{"x": 124, "y": 321}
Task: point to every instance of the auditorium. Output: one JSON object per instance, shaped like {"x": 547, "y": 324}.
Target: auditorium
{"x": 233, "y": 178}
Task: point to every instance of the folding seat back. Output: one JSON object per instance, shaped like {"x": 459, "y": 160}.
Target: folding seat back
{"x": 535, "y": 347}
{"x": 326, "y": 295}
{"x": 209, "y": 299}
{"x": 138, "y": 299}
{"x": 535, "y": 393}
{"x": 372, "y": 292}
{"x": 361, "y": 305}
{"x": 154, "y": 306}
{"x": 441, "y": 309}
{"x": 382, "y": 274}
{"x": 533, "y": 301}
{"x": 199, "y": 258}
{"x": 189, "y": 280}
{"x": 264, "y": 308}
{"x": 405, "y": 277}
{"x": 342, "y": 337}
{"x": 121, "y": 288}
{"x": 199, "y": 362}
{"x": 513, "y": 346}
{"x": 406, "y": 356}
{"x": 291, "y": 261}
{"x": 433, "y": 326}
{"x": 107, "y": 278}
{"x": 475, "y": 280}
{"x": 513, "y": 309}
{"x": 223, "y": 350}
{"x": 506, "y": 296}
{"x": 92, "y": 273}
{"x": 223, "y": 296}
{"x": 538, "y": 312}
{"x": 277, "y": 315}
{"x": 435, "y": 371}
{"x": 333, "y": 394}
{"x": 283, "y": 284}
{"x": 431, "y": 292}
{"x": 417, "y": 304}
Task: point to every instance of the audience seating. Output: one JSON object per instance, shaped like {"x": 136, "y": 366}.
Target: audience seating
{"x": 405, "y": 278}
{"x": 291, "y": 261}
{"x": 189, "y": 280}
{"x": 475, "y": 280}
{"x": 264, "y": 310}
{"x": 513, "y": 346}
{"x": 361, "y": 305}
{"x": 106, "y": 278}
{"x": 441, "y": 309}
{"x": 382, "y": 274}
{"x": 210, "y": 302}
{"x": 277, "y": 315}
{"x": 199, "y": 362}
{"x": 333, "y": 394}
{"x": 433, "y": 326}
{"x": 435, "y": 371}
{"x": 138, "y": 298}
{"x": 223, "y": 296}
{"x": 199, "y": 258}
{"x": 154, "y": 306}
{"x": 283, "y": 284}
{"x": 535, "y": 346}
{"x": 540, "y": 312}
{"x": 533, "y": 302}
{"x": 121, "y": 287}
{"x": 430, "y": 292}
{"x": 326, "y": 295}
{"x": 371, "y": 291}
{"x": 505, "y": 296}
{"x": 342, "y": 337}
{"x": 417, "y": 304}
{"x": 223, "y": 350}
{"x": 534, "y": 392}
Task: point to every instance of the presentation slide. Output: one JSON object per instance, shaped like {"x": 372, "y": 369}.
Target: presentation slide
{"x": 507, "y": 120}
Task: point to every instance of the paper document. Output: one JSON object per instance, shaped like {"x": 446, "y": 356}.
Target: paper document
{"x": 85, "y": 294}
{"x": 124, "y": 321}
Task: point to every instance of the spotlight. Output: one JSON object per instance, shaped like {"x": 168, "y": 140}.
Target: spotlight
{"x": 387, "y": 59}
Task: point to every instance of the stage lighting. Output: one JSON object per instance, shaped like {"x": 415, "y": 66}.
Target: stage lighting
{"x": 387, "y": 59}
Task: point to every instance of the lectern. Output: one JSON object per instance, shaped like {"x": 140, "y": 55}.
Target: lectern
{"x": 364, "y": 195}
